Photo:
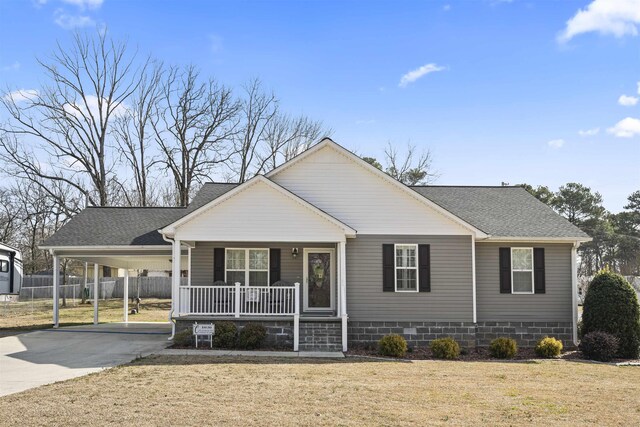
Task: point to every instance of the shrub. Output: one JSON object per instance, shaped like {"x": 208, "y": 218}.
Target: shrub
{"x": 549, "y": 347}
{"x": 392, "y": 345}
{"x": 611, "y": 305}
{"x": 599, "y": 345}
{"x": 252, "y": 336}
{"x": 445, "y": 348}
{"x": 226, "y": 334}
{"x": 503, "y": 348}
{"x": 183, "y": 338}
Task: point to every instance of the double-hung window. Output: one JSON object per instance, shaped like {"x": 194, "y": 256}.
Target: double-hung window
{"x": 521, "y": 270}
{"x": 247, "y": 266}
{"x": 406, "y": 268}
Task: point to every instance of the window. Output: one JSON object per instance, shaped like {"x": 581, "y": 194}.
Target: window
{"x": 4, "y": 266}
{"x": 247, "y": 266}
{"x": 522, "y": 270}
{"x": 406, "y": 268}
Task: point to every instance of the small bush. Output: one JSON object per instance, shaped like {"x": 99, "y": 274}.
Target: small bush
{"x": 599, "y": 345}
{"x": 392, "y": 345}
{"x": 503, "y": 348}
{"x": 252, "y": 336}
{"x": 183, "y": 338}
{"x": 549, "y": 347}
{"x": 445, "y": 348}
{"x": 611, "y": 306}
{"x": 226, "y": 334}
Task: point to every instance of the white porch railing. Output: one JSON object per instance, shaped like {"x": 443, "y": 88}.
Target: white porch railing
{"x": 240, "y": 300}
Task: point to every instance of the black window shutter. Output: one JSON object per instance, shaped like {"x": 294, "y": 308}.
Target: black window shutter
{"x": 274, "y": 265}
{"x": 538, "y": 271}
{"x": 505, "y": 270}
{"x": 388, "y": 267}
{"x": 218, "y": 264}
{"x": 424, "y": 268}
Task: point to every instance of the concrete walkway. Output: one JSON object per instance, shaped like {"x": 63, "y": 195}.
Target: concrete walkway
{"x": 42, "y": 357}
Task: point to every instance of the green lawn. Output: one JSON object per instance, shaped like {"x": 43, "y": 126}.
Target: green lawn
{"x": 24, "y": 316}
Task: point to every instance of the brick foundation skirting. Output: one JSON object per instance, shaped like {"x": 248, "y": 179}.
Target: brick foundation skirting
{"x": 417, "y": 334}
{"x": 469, "y": 335}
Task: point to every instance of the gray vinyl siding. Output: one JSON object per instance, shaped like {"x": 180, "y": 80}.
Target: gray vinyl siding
{"x": 451, "y": 295}
{"x": 290, "y": 269}
{"x": 555, "y": 305}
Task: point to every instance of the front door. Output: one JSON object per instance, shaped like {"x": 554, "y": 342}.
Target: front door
{"x": 319, "y": 280}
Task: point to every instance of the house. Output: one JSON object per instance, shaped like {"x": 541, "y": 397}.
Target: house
{"x": 328, "y": 251}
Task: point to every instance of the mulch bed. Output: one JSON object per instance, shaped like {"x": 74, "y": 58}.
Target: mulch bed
{"x": 482, "y": 354}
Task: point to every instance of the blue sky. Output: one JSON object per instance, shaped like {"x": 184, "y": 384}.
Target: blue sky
{"x": 515, "y": 91}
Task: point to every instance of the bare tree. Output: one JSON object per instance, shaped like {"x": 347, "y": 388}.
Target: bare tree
{"x": 269, "y": 137}
{"x": 195, "y": 123}
{"x": 69, "y": 119}
{"x": 9, "y": 215}
{"x": 134, "y": 134}
{"x": 258, "y": 110}
{"x": 410, "y": 167}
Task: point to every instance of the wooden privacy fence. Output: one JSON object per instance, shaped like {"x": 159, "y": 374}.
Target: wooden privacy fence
{"x": 109, "y": 287}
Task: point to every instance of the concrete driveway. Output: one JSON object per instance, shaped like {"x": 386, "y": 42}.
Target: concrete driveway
{"x": 43, "y": 357}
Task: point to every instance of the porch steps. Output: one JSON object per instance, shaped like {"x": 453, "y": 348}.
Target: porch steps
{"x": 320, "y": 336}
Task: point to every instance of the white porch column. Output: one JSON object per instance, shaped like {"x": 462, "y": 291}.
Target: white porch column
{"x": 95, "y": 293}
{"x": 296, "y": 317}
{"x": 574, "y": 290}
{"x": 56, "y": 291}
{"x": 342, "y": 253}
{"x": 125, "y": 295}
{"x": 86, "y": 276}
{"x": 473, "y": 277}
{"x": 175, "y": 278}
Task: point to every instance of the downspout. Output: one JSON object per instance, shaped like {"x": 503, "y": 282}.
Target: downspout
{"x": 173, "y": 323}
{"x": 473, "y": 278}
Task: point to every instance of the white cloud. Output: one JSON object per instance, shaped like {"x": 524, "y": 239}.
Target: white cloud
{"x": 79, "y": 109}
{"x": 21, "y": 95}
{"x": 589, "y": 132}
{"x": 609, "y": 17}
{"x": 11, "y": 67}
{"x": 556, "y": 143}
{"x": 69, "y": 22}
{"x": 627, "y": 101}
{"x": 626, "y": 128}
{"x": 83, "y": 4}
{"x": 414, "y": 75}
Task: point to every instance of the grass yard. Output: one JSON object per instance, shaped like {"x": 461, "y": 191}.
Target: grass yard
{"x": 198, "y": 391}
{"x": 23, "y": 316}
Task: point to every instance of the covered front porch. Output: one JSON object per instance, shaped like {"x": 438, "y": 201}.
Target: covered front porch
{"x": 262, "y": 281}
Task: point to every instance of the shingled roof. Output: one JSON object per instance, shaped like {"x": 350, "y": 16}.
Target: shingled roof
{"x": 506, "y": 212}
{"x": 502, "y": 211}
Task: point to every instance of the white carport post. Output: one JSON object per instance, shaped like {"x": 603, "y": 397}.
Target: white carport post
{"x": 56, "y": 291}
{"x": 342, "y": 275}
{"x": 175, "y": 279}
{"x": 95, "y": 294}
{"x": 125, "y": 295}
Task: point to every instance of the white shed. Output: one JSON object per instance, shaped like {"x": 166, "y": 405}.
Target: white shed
{"x": 10, "y": 271}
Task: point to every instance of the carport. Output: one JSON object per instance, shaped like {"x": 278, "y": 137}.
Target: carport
{"x": 122, "y": 238}
{"x": 155, "y": 257}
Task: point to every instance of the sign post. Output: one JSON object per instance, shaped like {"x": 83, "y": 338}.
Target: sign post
{"x": 204, "y": 330}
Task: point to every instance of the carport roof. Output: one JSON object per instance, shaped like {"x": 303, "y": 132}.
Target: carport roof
{"x": 118, "y": 226}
